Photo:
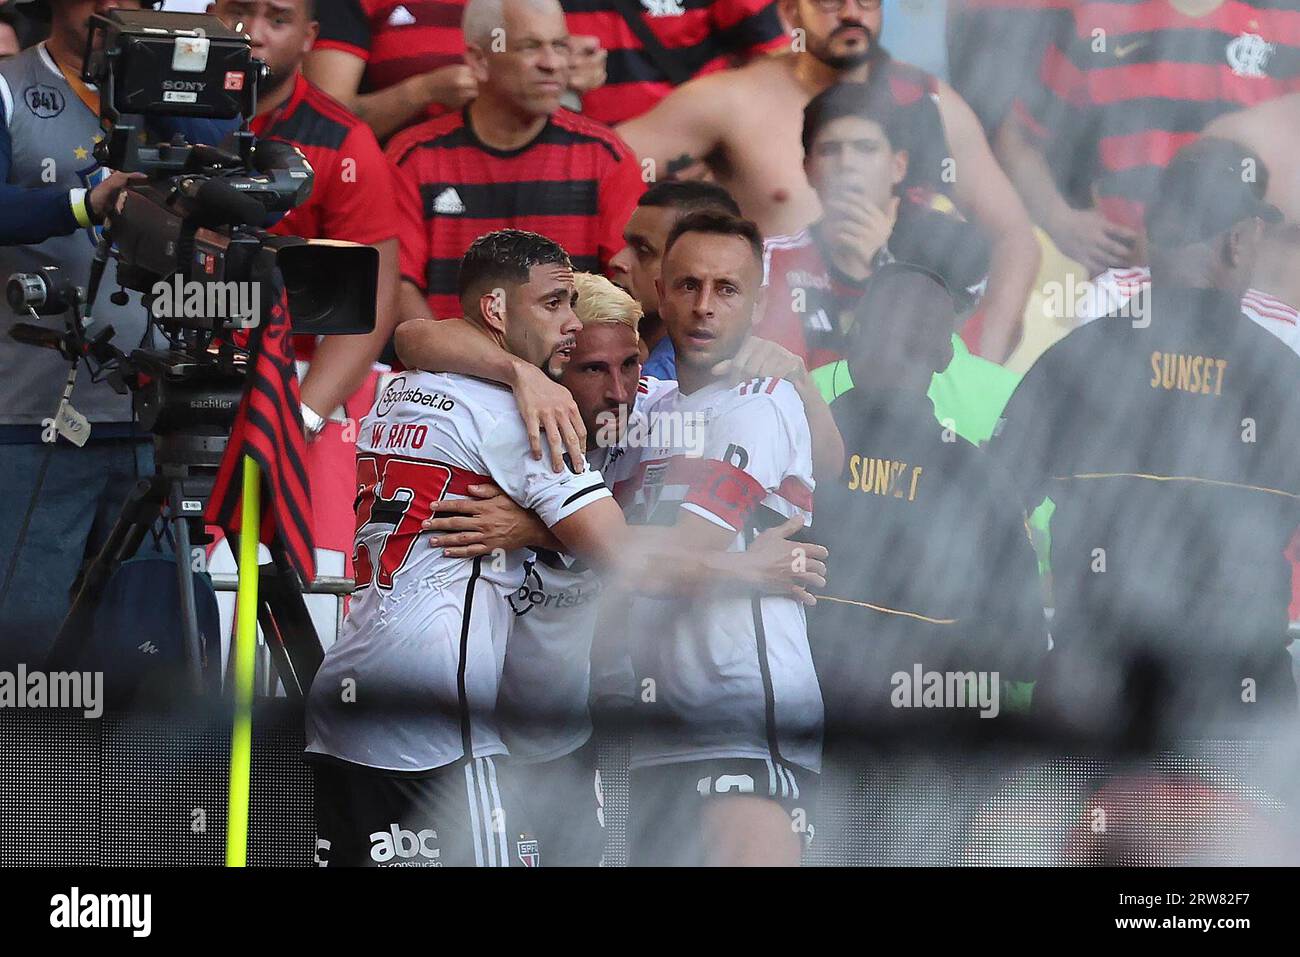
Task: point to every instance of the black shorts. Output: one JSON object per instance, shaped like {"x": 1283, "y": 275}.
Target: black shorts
{"x": 462, "y": 815}
{"x": 564, "y": 802}
{"x": 664, "y": 803}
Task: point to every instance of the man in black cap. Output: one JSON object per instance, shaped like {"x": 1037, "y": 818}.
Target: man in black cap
{"x": 933, "y": 614}
{"x": 1169, "y": 439}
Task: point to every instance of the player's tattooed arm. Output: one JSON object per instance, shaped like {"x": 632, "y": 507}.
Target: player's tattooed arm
{"x": 547, "y": 408}
{"x": 761, "y": 358}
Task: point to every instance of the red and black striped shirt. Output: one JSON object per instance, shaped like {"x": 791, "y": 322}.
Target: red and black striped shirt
{"x": 352, "y": 196}
{"x": 1141, "y": 80}
{"x": 576, "y": 183}
{"x": 399, "y": 40}
{"x": 705, "y": 35}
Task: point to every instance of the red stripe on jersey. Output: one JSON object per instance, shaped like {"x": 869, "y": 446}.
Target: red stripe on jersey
{"x": 1270, "y": 306}
{"x": 796, "y": 493}
{"x": 576, "y": 184}
{"x": 1160, "y": 77}
{"x": 1142, "y": 149}
{"x": 397, "y": 39}
{"x": 1062, "y": 77}
{"x": 771, "y": 386}
{"x": 402, "y": 489}
{"x": 1199, "y": 82}
{"x": 541, "y": 163}
{"x": 457, "y": 481}
{"x": 719, "y": 488}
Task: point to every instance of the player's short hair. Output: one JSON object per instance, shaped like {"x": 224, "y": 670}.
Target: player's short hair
{"x": 687, "y": 196}
{"x": 864, "y": 100}
{"x": 481, "y": 17}
{"x": 600, "y": 301}
{"x": 716, "y": 224}
{"x": 504, "y": 257}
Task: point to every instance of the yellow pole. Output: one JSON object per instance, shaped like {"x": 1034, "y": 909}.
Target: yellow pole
{"x": 241, "y": 735}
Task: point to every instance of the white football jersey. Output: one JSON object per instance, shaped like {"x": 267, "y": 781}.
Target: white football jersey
{"x": 546, "y": 686}
{"x": 411, "y": 684}
{"x": 720, "y": 675}
{"x": 1115, "y": 287}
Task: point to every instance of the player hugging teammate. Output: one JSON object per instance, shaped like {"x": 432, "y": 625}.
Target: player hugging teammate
{"x": 448, "y": 724}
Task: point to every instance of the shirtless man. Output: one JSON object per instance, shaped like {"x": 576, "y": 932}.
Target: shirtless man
{"x": 1271, "y": 130}
{"x": 744, "y": 124}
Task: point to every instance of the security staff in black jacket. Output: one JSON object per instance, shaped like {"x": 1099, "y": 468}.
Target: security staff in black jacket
{"x": 1169, "y": 439}
{"x": 934, "y": 594}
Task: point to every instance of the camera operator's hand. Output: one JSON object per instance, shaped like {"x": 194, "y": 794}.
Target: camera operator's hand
{"x": 103, "y": 196}
{"x": 450, "y": 86}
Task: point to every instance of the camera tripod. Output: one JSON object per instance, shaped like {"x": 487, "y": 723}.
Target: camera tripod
{"x": 185, "y": 468}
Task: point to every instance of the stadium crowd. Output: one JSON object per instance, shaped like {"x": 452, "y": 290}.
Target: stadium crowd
{"x": 956, "y": 343}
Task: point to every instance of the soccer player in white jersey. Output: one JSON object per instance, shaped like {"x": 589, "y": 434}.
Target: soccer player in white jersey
{"x": 727, "y": 750}
{"x": 401, "y": 724}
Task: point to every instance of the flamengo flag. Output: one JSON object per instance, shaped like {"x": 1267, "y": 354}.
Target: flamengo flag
{"x": 268, "y": 427}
